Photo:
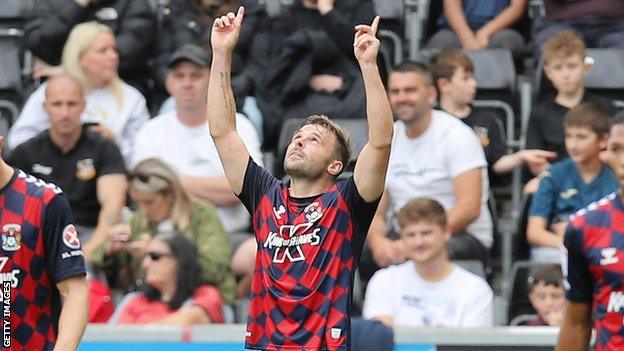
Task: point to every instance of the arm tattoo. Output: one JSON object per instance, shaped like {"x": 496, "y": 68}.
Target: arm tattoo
{"x": 226, "y": 89}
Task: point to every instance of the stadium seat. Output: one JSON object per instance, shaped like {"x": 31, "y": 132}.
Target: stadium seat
{"x": 357, "y": 129}
{"x": 521, "y": 247}
{"x": 517, "y": 297}
{"x": 371, "y": 335}
{"x": 472, "y": 266}
{"x": 606, "y": 76}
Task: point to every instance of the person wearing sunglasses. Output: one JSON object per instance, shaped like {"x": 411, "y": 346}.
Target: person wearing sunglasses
{"x": 173, "y": 292}
{"x": 163, "y": 205}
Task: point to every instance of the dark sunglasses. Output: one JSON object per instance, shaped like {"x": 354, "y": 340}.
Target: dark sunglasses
{"x": 146, "y": 177}
{"x": 155, "y": 256}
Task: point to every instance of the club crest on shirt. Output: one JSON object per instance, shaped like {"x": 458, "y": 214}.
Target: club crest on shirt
{"x": 608, "y": 256}
{"x": 483, "y": 135}
{"x": 85, "y": 169}
{"x": 313, "y": 212}
{"x": 11, "y": 237}
{"x": 70, "y": 237}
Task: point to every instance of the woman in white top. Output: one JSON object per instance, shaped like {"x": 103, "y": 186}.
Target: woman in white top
{"x": 115, "y": 109}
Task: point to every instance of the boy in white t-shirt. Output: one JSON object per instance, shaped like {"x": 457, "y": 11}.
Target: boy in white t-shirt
{"x": 428, "y": 289}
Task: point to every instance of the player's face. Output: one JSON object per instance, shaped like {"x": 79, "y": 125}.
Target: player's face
{"x": 583, "y": 144}
{"x": 547, "y": 299}
{"x": 424, "y": 241}
{"x": 160, "y": 265}
{"x": 461, "y": 88}
{"x": 410, "y": 95}
{"x": 616, "y": 151}
{"x": 567, "y": 74}
{"x": 101, "y": 60}
{"x": 155, "y": 207}
{"x": 310, "y": 153}
{"x": 64, "y": 104}
{"x": 188, "y": 84}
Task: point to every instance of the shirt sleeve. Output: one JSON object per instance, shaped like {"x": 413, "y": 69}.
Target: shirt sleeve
{"x": 31, "y": 121}
{"x": 138, "y": 116}
{"x": 498, "y": 145}
{"x": 62, "y": 245}
{"x": 463, "y": 151}
{"x": 480, "y": 313}
{"x": 257, "y": 181}
{"x": 534, "y": 139}
{"x": 543, "y": 202}
{"x": 111, "y": 161}
{"x": 207, "y": 298}
{"x": 579, "y": 281}
{"x": 378, "y": 300}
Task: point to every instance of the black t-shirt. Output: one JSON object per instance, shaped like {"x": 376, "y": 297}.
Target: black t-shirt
{"x": 490, "y": 131}
{"x": 76, "y": 172}
{"x": 546, "y": 129}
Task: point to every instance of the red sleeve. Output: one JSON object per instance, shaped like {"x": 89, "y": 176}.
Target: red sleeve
{"x": 207, "y": 297}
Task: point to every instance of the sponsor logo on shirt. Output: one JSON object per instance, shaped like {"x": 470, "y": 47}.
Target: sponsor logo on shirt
{"x": 70, "y": 237}
{"x": 483, "y": 135}
{"x": 568, "y": 193}
{"x": 85, "y": 169}
{"x": 11, "y": 237}
{"x": 10, "y": 278}
{"x": 290, "y": 238}
{"x": 608, "y": 256}
{"x": 41, "y": 169}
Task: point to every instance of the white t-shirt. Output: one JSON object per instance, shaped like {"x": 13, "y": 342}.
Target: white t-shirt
{"x": 425, "y": 167}
{"x": 191, "y": 151}
{"x": 101, "y": 107}
{"x": 462, "y": 300}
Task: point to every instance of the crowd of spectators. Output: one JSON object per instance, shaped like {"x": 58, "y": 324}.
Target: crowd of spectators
{"x": 156, "y": 214}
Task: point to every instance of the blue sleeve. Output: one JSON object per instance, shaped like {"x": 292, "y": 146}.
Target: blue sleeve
{"x": 579, "y": 281}
{"x": 62, "y": 246}
{"x": 256, "y": 183}
{"x": 544, "y": 199}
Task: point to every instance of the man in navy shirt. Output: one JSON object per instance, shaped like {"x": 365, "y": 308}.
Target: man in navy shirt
{"x": 310, "y": 231}
{"x": 595, "y": 265}
{"x": 42, "y": 270}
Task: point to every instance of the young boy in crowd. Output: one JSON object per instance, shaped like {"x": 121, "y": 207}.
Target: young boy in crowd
{"x": 570, "y": 184}
{"x": 566, "y": 67}
{"x": 547, "y": 295}
{"x": 452, "y": 72}
{"x": 423, "y": 291}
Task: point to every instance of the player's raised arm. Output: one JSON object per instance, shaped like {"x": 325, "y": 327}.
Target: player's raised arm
{"x": 221, "y": 107}
{"x": 371, "y": 166}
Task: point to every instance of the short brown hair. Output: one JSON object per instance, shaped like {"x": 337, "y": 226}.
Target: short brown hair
{"x": 445, "y": 62}
{"x": 590, "y": 115}
{"x": 548, "y": 274}
{"x": 563, "y": 45}
{"x": 419, "y": 68}
{"x": 422, "y": 209}
{"x": 343, "y": 148}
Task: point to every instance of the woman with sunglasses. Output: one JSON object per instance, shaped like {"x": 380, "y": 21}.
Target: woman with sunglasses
{"x": 163, "y": 206}
{"x": 173, "y": 292}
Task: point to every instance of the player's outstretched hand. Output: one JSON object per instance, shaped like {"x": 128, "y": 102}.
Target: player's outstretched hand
{"x": 226, "y": 29}
{"x": 365, "y": 43}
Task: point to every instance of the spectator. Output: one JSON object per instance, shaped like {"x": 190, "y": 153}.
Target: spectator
{"x": 477, "y": 25}
{"x": 182, "y": 139}
{"x": 433, "y": 155}
{"x": 173, "y": 292}
{"x": 453, "y": 75}
{"x": 572, "y": 183}
{"x": 599, "y": 22}
{"x": 88, "y": 167}
{"x": 565, "y": 66}
{"x": 547, "y": 295}
{"x": 423, "y": 292}
{"x": 131, "y": 22}
{"x": 305, "y": 63}
{"x": 115, "y": 109}
{"x": 164, "y": 205}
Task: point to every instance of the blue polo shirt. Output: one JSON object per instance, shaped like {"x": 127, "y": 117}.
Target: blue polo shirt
{"x": 562, "y": 191}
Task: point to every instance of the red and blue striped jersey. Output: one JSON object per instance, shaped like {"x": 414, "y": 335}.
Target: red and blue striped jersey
{"x": 308, "y": 250}
{"x": 594, "y": 241}
{"x": 39, "y": 248}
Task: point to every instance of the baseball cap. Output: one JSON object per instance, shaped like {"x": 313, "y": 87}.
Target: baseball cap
{"x": 190, "y": 52}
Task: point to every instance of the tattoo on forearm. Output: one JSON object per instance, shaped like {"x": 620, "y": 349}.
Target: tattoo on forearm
{"x": 226, "y": 89}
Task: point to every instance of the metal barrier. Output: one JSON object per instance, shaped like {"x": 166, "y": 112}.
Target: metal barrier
{"x": 230, "y": 338}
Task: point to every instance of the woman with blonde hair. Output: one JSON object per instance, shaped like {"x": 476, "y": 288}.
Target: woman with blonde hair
{"x": 164, "y": 206}
{"x": 114, "y": 109}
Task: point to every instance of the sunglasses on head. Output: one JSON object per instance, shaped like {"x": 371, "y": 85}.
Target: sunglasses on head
{"x": 155, "y": 256}
{"x": 146, "y": 177}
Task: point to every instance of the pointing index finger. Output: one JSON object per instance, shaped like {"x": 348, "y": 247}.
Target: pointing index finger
{"x": 375, "y": 25}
